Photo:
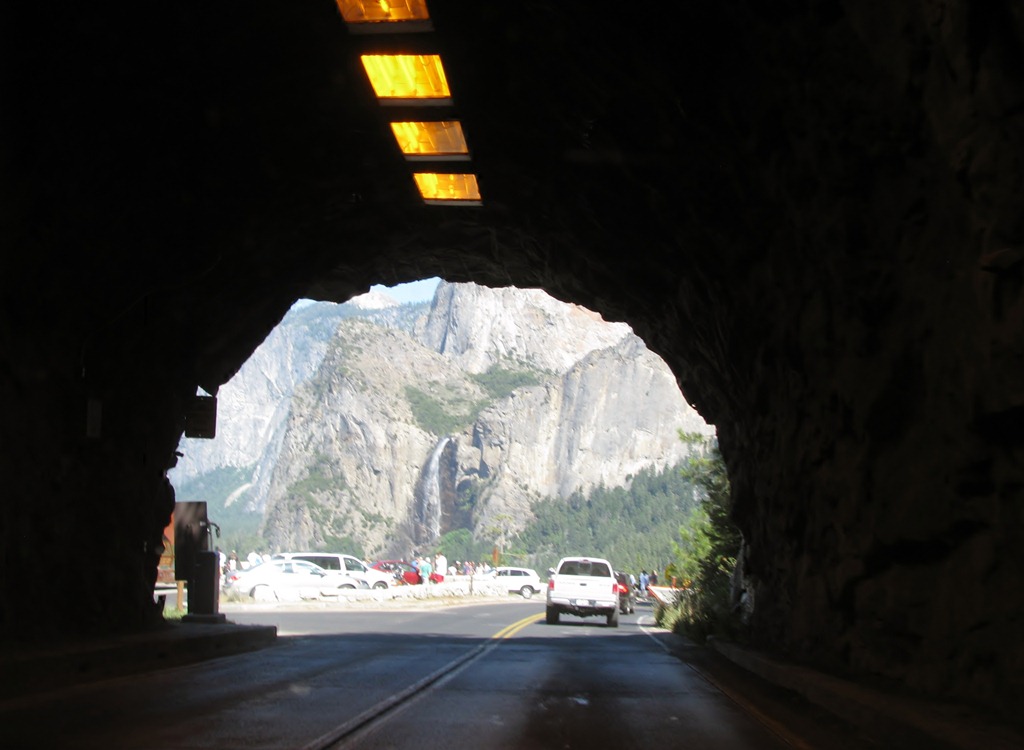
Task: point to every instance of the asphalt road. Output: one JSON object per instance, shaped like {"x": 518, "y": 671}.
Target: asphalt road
{"x": 473, "y": 676}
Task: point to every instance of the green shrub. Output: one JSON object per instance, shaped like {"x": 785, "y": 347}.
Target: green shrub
{"x": 459, "y": 544}
{"x": 706, "y": 553}
{"x": 441, "y": 417}
{"x": 173, "y": 614}
{"x": 499, "y": 382}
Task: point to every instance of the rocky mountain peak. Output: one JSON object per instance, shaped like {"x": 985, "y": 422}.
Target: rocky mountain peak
{"x": 373, "y": 300}
{"x": 480, "y": 327}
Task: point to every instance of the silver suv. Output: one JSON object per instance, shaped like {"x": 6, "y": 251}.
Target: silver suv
{"x": 347, "y": 564}
{"x": 523, "y": 581}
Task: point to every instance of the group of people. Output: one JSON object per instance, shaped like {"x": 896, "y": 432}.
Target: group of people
{"x": 229, "y": 562}
{"x": 469, "y": 568}
{"x": 427, "y": 565}
{"x": 646, "y": 579}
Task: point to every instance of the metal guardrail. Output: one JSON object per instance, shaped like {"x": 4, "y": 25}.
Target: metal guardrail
{"x": 666, "y": 596}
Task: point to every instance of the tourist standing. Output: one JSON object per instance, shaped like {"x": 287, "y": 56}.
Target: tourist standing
{"x": 441, "y": 563}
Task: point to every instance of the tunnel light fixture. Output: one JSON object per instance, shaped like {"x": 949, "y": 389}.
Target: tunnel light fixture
{"x": 441, "y": 189}
{"x": 388, "y": 16}
{"x": 407, "y": 79}
{"x": 431, "y": 141}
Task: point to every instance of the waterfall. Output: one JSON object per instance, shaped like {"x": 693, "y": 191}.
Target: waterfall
{"x": 428, "y": 499}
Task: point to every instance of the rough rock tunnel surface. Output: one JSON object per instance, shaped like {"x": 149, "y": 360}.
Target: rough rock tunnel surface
{"x": 810, "y": 210}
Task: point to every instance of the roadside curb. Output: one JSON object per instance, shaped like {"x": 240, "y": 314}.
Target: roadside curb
{"x": 950, "y": 725}
{"x": 467, "y": 590}
{"x": 363, "y": 605}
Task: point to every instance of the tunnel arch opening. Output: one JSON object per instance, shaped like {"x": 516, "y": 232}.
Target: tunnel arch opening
{"x": 541, "y": 399}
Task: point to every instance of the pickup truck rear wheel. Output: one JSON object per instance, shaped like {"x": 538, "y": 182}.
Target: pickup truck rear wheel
{"x": 551, "y": 616}
{"x": 613, "y": 618}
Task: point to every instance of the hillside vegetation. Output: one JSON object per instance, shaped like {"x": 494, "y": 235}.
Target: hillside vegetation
{"x": 636, "y": 527}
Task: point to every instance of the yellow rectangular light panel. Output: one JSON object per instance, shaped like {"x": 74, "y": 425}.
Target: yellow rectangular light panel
{"x": 457, "y": 189}
{"x": 383, "y": 11}
{"x": 425, "y": 141}
{"x": 401, "y": 78}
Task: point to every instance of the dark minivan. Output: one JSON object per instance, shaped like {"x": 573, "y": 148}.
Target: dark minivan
{"x": 627, "y": 599}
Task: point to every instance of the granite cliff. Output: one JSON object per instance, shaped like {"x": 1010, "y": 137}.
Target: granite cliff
{"x": 388, "y": 426}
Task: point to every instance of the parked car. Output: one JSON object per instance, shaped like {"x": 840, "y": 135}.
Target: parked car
{"x": 627, "y": 597}
{"x": 523, "y": 581}
{"x": 404, "y": 572}
{"x": 288, "y": 580}
{"x": 347, "y": 564}
{"x": 401, "y": 571}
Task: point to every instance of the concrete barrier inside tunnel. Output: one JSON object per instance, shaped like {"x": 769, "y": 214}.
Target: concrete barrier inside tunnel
{"x": 812, "y": 214}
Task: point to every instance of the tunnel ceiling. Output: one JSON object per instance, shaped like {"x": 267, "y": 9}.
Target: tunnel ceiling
{"x": 811, "y": 210}
{"x": 624, "y": 160}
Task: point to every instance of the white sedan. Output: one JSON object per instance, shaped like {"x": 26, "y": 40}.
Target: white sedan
{"x": 288, "y": 580}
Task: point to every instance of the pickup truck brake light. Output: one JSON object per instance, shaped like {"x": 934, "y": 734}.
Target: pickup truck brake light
{"x": 551, "y": 583}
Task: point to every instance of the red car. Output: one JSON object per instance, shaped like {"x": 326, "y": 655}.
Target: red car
{"x": 404, "y": 571}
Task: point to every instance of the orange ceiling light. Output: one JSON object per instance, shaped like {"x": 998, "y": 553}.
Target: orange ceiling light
{"x": 383, "y": 11}
{"x": 431, "y": 141}
{"x": 407, "y": 79}
{"x": 448, "y": 189}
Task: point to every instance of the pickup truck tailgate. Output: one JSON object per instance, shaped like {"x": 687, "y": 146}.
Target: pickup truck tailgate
{"x": 583, "y": 587}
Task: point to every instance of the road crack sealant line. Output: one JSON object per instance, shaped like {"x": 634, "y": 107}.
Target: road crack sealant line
{"x": 766, "y": 721}
{"x": 337, "y": 737}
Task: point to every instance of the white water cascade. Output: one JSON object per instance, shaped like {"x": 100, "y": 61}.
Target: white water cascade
{"x": 428, "y": 499}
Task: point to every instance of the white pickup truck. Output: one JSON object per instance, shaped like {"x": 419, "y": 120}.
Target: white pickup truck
{"x": 583, "y": 586}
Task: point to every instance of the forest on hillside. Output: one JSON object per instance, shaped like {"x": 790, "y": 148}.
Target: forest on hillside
{"x": 636, "y": 527}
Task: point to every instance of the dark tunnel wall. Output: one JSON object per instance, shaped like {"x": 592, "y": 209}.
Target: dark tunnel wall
{"x": 812, "y": 212}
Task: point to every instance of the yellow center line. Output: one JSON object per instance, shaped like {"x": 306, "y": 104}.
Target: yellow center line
{"x": 510, "y": 630}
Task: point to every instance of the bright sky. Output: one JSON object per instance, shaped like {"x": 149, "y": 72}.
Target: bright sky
{"x": 414, "y": 291}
